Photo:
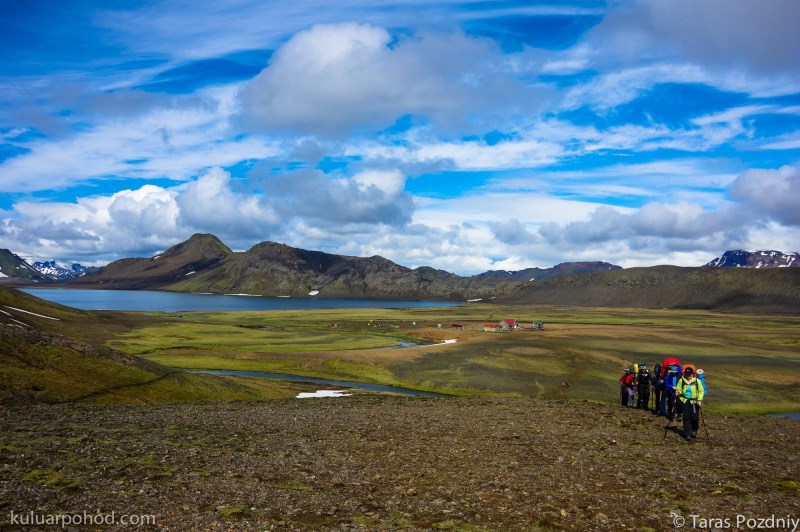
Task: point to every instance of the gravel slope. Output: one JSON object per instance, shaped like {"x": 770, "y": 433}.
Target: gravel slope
{"x": 390, "y": 463}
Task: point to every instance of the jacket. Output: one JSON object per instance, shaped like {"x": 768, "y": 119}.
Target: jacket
{"x": 689, "y": 391}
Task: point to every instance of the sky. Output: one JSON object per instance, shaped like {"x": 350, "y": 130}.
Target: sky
{"x": 464, "y": 135}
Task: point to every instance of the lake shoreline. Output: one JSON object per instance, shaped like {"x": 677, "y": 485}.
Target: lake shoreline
{"x": 164, "y": 301}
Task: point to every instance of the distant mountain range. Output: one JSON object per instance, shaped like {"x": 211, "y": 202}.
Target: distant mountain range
{"x": 56, "y": 269}
{"x": 755, "y": 259}
{"x": 204, "y": 264}
{"x": 14, "y": 266}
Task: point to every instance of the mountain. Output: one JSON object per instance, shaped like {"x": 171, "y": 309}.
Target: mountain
{"x": 55, "y": 269}
{"x": 755, "y": 259}
{"x": 199, "y": 253}
{"x": 204, "y": 264}
{"x": 776, "y": 289}
{"x": 15, "y": 268}
{"x": 540, "y": 274}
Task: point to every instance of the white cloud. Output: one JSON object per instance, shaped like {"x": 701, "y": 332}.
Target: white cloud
{"x": 743, "y": 34}
{"x": 176, "y": 141}
{"x": 772, "y": 194}
{"x": 333, "y": 79}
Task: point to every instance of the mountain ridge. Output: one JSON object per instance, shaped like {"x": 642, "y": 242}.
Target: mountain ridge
{"x": 769, "y": 290}
{"x": 755, "y": 259}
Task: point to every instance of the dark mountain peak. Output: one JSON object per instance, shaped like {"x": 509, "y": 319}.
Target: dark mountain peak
{"x": 199, "y": 244}
{"x": 755, "y": 259}
{"x": 200, "y": 252}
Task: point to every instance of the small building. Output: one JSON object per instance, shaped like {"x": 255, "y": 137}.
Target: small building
{"x": 457, "y": 326}
{"x": 492, "y": 327}
{"x": 509, "y": 324}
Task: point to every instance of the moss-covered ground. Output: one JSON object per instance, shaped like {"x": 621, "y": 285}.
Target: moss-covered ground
{"x": 752, "y": 362}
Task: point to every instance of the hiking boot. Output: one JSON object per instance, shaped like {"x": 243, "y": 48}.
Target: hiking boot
{"x": 694, "y": 435}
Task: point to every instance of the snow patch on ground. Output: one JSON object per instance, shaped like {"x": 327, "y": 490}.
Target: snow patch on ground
{"x": 31, "y": 313}
{"x": 313, "y": 292}
{"x": 323, "y": 393}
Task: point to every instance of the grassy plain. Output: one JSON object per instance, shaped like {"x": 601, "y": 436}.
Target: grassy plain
{"x": 752, "y": 362}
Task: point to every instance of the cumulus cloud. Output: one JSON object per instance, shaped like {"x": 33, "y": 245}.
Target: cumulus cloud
{"x": 333, "y": 79}
{"x": 210, "y": 203}
{"x": 760, "y": 199}
{"x": 748, "y": 33}
{"x": 772, "y": 194}
{"x": 153, "y": 217}
{"x": 668, "y": 222}
{"x": 512, "y": 232}
{"x": 368, "y": 197}
{"x": 743, "y": 46}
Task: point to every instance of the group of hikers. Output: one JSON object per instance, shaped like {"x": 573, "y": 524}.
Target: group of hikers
{"x": 677, "y": 392}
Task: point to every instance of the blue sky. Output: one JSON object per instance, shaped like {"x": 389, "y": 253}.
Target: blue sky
{"x": 463, "y": 135}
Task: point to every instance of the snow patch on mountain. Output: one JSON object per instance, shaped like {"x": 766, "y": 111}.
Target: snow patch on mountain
{"x": 755, "y": 259}
{"x": 57, "y": 269}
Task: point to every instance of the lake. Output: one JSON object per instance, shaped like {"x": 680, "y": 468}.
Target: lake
{"x": 150, "y": 300}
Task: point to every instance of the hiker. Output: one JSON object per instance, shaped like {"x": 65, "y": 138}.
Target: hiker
{"x": 623, "y": 389}
{"x": 670, "y": 382}
{"x": 643, "y": 387}
{"x": 657, "y": 387}
{"x": 690, "y": 395}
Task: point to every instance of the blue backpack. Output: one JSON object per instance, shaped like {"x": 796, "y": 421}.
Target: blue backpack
{"x": 701, "y": 376}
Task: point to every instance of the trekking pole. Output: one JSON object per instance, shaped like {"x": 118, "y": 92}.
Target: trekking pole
{"x": 703, "y": 419}
{"x": 666, "y": 429}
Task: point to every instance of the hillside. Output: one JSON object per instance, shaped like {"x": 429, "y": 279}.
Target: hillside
{"x": 48, "y": 353}
{"x": 768, "y": 290}
{"x": 541, "y": 274}
{"x": 381, "y": 463}
{"x": 200, "y": 252}
{"x": 13, "y": 267}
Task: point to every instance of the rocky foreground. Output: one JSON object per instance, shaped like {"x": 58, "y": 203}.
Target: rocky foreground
{"x": 390, "y": 463}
